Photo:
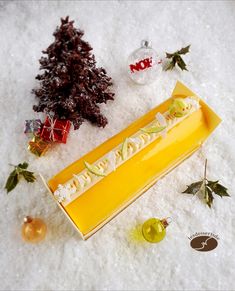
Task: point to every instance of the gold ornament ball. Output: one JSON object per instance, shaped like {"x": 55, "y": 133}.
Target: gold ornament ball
{"x": 33, "y": 229}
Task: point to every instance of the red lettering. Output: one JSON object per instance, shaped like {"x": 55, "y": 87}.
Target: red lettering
{"x": 135, "y": 67}
{"x": 141, "y": 65}
{"x": 148, "y": 62}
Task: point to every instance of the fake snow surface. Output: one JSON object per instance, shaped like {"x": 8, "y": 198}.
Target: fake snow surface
{"x": 112, "y": 259}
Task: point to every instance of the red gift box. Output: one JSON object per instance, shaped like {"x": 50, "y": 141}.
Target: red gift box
{"x": 55, "y": 130}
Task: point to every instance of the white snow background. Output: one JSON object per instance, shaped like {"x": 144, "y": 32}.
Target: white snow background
{"x": 112, "y": 259}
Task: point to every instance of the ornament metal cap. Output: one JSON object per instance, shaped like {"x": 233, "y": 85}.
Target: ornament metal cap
{"x": 146, "y": 43}
{"x": 166, "y": 221}
{"x": 27, "y": 219}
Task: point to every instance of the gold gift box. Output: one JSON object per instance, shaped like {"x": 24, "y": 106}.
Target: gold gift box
{"x": 112, "y": 194}
{"x": 38, "y": 147}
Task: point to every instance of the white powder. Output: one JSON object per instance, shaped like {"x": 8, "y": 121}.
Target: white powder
{"x": 111, "y": 259}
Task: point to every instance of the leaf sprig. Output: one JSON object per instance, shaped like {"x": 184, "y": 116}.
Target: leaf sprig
{"x": 208, "y": 188}
{"x": 177, "y": 59}
{"x": 14, "y": 177}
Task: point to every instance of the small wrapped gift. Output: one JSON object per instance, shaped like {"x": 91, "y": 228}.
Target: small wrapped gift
{"x": 38, "y": 147}
{"x": 55, "y": 130}
{"x": 32, "y": 127}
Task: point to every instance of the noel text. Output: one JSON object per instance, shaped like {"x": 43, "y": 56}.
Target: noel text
{"x": 141, "y": 65}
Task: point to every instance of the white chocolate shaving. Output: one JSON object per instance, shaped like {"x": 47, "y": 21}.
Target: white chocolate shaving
{"x": 112, "y": 160}
{"x": 80, "y": 180}
{"x": 162, "y": 121}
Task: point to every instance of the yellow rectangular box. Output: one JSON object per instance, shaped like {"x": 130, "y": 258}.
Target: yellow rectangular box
{"x": 111, "y": 194}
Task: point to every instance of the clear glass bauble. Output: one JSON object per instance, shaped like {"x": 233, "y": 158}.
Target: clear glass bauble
{"x": 144, "y": 64}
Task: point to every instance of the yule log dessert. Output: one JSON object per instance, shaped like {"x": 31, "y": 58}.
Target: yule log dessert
{"x": 94, "y": 189}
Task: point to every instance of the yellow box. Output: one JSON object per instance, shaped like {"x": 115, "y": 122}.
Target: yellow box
{"x": 113, "y": 193}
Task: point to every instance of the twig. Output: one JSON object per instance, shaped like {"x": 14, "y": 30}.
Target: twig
{"x": 205, "y": 170}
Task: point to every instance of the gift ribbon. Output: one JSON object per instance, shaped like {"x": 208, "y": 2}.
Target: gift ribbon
{"x": 52, "y": 127}
{"x": 35, "y": 123}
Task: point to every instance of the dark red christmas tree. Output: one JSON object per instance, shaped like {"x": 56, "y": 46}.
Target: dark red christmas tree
{"x": 71, "y": 86}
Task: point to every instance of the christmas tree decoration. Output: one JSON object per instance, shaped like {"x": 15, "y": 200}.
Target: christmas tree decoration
{"x": 175, "y": 58}
{"x": 122, "y": 168}
{"x": 71, "y": 86}
{"x": 38, "y": 147}
{"x": 154, "y": 229}
{"x": 55, "y": 130}
{"x": 33, "y": 229}
{"x": 32, "y": 127}
{"x": 207, "y": 188}
{"x": 144, "y": 64}
{"x": 14, "y": 177}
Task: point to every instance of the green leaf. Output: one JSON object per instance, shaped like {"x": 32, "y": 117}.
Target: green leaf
{"x": 184, "y": 50}
{"x": 12, "y": 181}
{"x": 28, "y": 176}
{"x": 177, "y": 59}
{"x": 14, "y": 176}
{"x": 181, "y": 63}
{"x": 23, "y": 166}
{"x": 212, "y": 184}
{"x": 218, "y": 189}
{"x": 170, "y": 66}
{"x": 210, "y": 188}
{"x": 208, "y": 196}
{"x": 169, "y": 56}
{"x": 193, "y": 188}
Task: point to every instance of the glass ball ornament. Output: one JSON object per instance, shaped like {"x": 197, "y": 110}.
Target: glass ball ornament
{"x": 154, "y": 229}
{"x": 33, "y": 229}
{"x": 144, "y": 64}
